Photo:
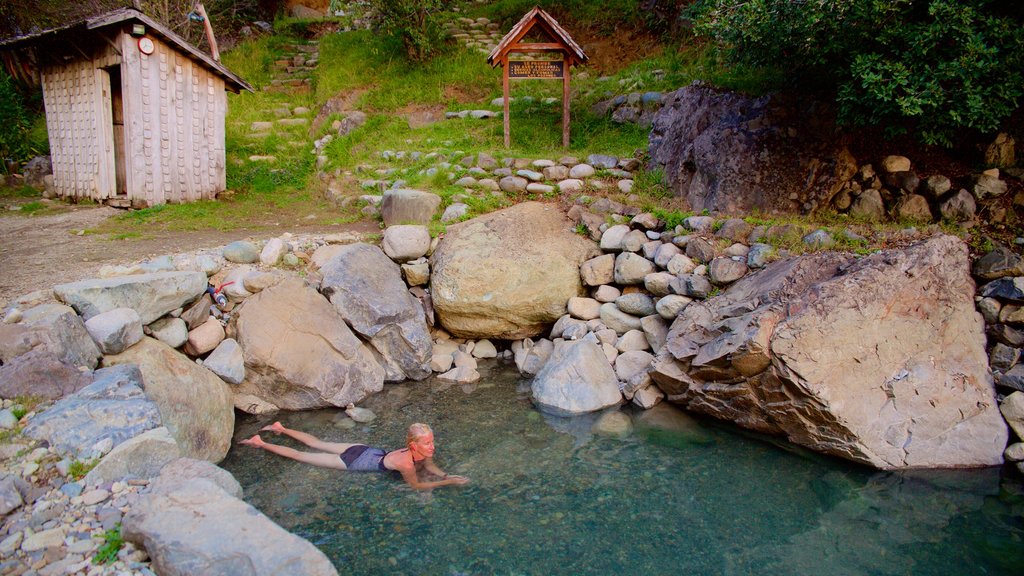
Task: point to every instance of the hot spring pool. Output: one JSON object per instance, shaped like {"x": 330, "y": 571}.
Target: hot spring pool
{"x": 673, "y": 496}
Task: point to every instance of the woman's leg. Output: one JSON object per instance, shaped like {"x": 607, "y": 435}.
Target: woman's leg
{"x": 309, "y": 439}
{"x": 322, "y": 459}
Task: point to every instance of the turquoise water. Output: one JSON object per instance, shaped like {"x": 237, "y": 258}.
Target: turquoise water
{"x": 673, "y": 496}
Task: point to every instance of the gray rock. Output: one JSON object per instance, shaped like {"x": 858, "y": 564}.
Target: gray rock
{"x": 507, "y": 274}
{"x": 513, "y": 184}
{"x": 1008, "y": 288}
{"x": 416, "y": 273}
{"x": 670, "y": 306}
{"x": 868, "y": 206}
{"x": 241, "y": 252}
{"x": 454, "y": 212}
{"x": 403, "y": 206}
{"x": 170, "y": 331}
{"x": 986, "y": 186}
{"x": 584, "y": 308}
{"x": 195, "y": 405}
{"x": 959, "y": 207}
{"x": 606, "y": 293}
{"x": 151, "y": 295}
{"x": 367, "y": 290}
{"x": 273, "y": 251}
{"x": 570, "y": 186}
{"x": 656, "y": 331}
{"x": 115, "y": 330}
{"x": 180, "y": 530}
{"x": 35, "y": 170}
{"x": 681, "y": 264}
{"x": 40, "y": 375}
{"x": 1014, "y": 376}
{"x": 659, "y": 283}
{"x": 50, "y": 330}
{"x": 735, "y": 230}
{"x": 1002, "y": 357}
{"x": 636, "y": 303}
{"x": 818, "y": 239}
{"x": 724, "y": 271}
{"x": 634, "y": 241}
{"x": 1012, "y": 410}
{"x": 556, "y": 173}
{"x": 699, "y": 224}
{"x": 766, "y": 330}
{"x": 631, "y": 341}
{"x": 181, "y": 470}
{"x": 403, "y": 243}
{"x": 532, "y": 356}
{"x": 631, "y": 268}
{"x": 998, "y": 263}
{"x": 989, "y": 308}
{"x": 7, "y": 419}
{"x": 602, "y": 162}
{"x": 758, "y": 255}
{"x": 611, "y": 239}
{"x": 531, "y": 175}
{"x": 227, "y": 362}
{"x": 576, "y": 379}
{"x": 692, "y": 285}
{"x": 631, "y": 363}
{"x": 913, "y": 207}
{"x": 10, "y": 496}
{"x": 581, "y": 171}
{"x": 618, "y": 320}
{"x": 139, "y": 457}
{"x": 700, "y": 250}
{"x": 113, "y": 407}
{"x": 936, "y": 186}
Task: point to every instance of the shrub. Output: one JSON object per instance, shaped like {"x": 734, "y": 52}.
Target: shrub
{"x": 416, "y": 23}
{"x": 14, "y": 121}
{"x": 936, "y": 66}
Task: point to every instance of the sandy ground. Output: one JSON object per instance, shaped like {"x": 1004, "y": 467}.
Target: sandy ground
{"x": 40, "y": 251}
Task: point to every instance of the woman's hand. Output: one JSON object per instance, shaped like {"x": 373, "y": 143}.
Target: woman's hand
{"x": 457, "y": 480}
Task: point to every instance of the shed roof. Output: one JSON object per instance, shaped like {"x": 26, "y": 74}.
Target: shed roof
{"x": 548, "y": 24}
{"x": 121, "y": 16}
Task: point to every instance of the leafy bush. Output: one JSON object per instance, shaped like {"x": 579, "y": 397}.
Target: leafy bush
{"x": 112, "y": 544}
{"x": 14, "y": 122}
{"x": 936, "y": 66}
{"x": 416, "y": 23}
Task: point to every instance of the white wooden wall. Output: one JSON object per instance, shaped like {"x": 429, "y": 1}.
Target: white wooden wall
{"x": 76, "y": 97}
{"x": 174, "y": 126}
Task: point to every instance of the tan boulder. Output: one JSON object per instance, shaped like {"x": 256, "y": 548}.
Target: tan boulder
{"x": 195, "y": 405}
{"x": 299, "y": 354}
{"x": 508, "y": 274}
{"x": 883, "y": 364}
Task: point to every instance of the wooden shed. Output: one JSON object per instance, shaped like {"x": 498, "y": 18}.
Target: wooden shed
{"x": 135, "y": 113}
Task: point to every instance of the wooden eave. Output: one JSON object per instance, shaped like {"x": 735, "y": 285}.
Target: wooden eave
{"x": 125, "y": 15}
{"x": 537, "y": 17}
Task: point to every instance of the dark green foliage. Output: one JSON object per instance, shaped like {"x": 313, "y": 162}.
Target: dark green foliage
{"x": 934, "y": 66}
{"x": 14, "y": 122}
{"x": 112, "y": 544}
{"x": 416, "y": 23}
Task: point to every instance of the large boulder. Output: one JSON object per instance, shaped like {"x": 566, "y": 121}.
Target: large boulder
{"x": 151, "y": 295}
{"x": 183, "y": 526}
{"x": 52, "y": 329}
{"x": 112, "y": 407}
{"x": 195, "y": 405}
{"x": 140, "y": 457}
{"x": 403, "y": 206}
{"x": 367, "y": 289}
{"x": 40, "y": 375}
{"x": 299, "y": 354}
{"x": 722, "y": 151}
{"x": 576, "y": 379}
{"x": 879, "y": 360}
{"x": 508, "y": 274}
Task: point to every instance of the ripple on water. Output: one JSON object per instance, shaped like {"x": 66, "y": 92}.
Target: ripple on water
{"x": 676, "y": 495}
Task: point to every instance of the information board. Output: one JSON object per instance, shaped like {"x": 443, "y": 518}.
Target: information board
{"x": 536, "y": 68}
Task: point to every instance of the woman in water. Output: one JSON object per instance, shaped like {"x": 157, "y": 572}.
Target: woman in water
{"x": 418, "y": 456}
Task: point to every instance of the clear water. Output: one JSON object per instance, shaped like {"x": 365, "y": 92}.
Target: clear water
{"x": 674, "y": 496}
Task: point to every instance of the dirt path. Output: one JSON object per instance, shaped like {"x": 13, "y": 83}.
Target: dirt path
{"x": 41, "y": 251}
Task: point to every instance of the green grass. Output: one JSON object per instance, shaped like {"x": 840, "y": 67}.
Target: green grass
{"x": 78, "y": 469}
{"x": 112, "y": 544}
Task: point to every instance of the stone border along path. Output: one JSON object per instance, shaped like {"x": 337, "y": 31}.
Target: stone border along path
{"x": 292, "y": 75}
{"x": 481, "y": 174}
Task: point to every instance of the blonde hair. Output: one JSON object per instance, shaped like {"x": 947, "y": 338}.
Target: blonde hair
{"x": 417, "y": 431}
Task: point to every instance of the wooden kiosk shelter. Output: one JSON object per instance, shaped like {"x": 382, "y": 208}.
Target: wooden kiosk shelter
{"x": 558, "y": 40}
{"x": 135, "y": 113}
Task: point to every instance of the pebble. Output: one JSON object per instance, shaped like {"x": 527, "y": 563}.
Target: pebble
{"x": 94, "y": 497}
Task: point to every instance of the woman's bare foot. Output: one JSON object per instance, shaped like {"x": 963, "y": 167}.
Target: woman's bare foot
{"x": 255, "y": 441}
{"x": 276, "y": 428}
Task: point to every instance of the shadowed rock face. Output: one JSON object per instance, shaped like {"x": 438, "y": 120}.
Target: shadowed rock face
{"x": 880, "y": 360}
{"x": 508, "y": 274}
{"x": 725, "y": 152}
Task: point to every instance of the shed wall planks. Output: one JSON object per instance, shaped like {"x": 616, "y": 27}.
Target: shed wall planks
{"x": 174, "y": 112}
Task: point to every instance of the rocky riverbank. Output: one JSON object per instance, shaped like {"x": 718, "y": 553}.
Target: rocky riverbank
{"x": 137, "y": 374}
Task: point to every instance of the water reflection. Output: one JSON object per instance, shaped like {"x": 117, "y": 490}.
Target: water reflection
{"x": 676, "y": 495}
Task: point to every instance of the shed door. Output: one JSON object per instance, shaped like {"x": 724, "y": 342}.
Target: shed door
{"x": 117, "y": 114}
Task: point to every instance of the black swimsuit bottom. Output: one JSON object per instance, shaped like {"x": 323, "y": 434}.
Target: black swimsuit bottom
{"x": 363, "y": 458}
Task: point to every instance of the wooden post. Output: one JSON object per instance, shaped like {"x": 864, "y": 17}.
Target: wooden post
{"x": 565, "y": 101}
{"x": 209, "y": 31}
{"x": 504, "y": 91}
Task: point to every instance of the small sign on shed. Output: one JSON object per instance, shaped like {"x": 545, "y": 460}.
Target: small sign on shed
{"x": 558, "y": 42}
